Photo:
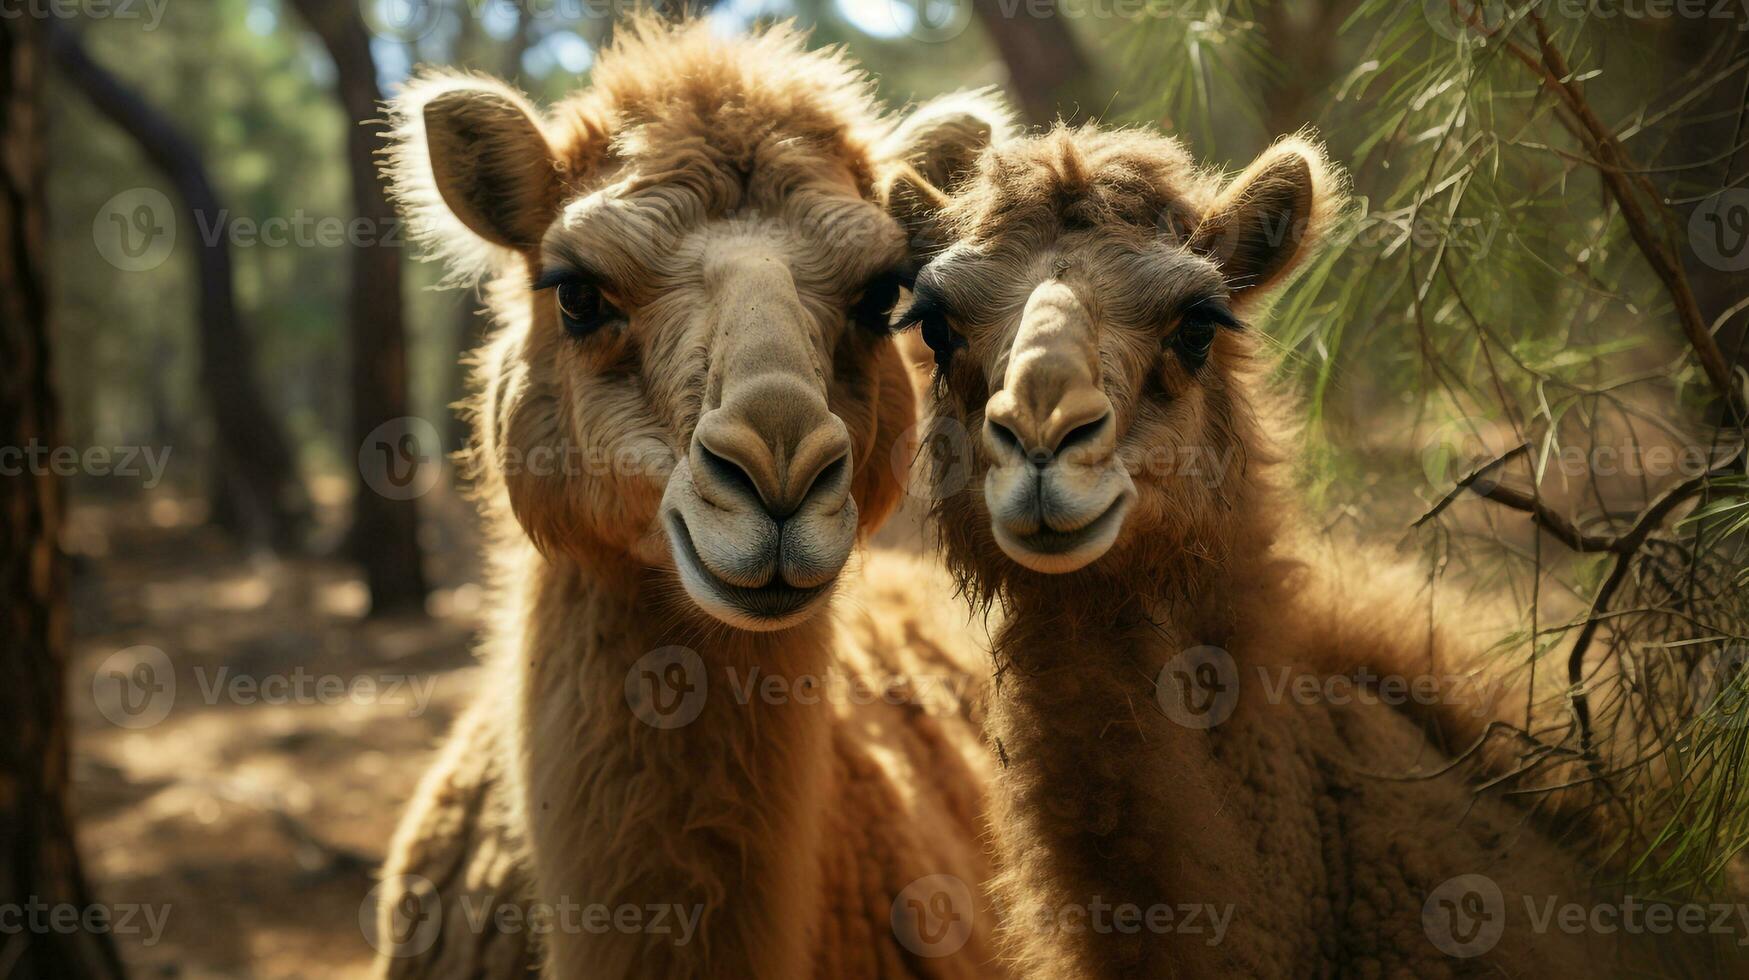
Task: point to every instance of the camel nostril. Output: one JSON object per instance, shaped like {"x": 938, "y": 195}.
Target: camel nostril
{"x": 745, "y": 471}
{"x": 1082, "y": 434}
{"x": 731, "y": 473}
{"x": 828, "y": 474}
{"x": 1005, "y": 437}
{"x": 1044, "y": 444}
{"x": 827, "y": 479}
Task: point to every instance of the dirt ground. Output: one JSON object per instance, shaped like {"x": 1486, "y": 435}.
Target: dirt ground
{"x": 249, "y": 820}
{"x": 244, "y": 806}
{"x": 241, "y": 792}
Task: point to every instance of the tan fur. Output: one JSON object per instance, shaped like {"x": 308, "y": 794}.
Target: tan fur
{"x": 1324, "y": 826}
{"x": 727, "y": 195}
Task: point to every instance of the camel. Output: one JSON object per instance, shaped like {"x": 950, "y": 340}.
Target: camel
{"x": 689, "y": 413}
{"x": 1195, "y": 779}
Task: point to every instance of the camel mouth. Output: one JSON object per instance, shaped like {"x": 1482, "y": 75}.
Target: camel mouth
{"x": 775, "y": 605}
{"x": 1055, "y": 552}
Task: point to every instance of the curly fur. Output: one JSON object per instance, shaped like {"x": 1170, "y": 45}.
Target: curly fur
{"x": 1322, "y": 825}
{"x": 790, "y": 826}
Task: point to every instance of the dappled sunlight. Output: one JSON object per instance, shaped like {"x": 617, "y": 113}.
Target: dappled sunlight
{"x": 855, "y": 465}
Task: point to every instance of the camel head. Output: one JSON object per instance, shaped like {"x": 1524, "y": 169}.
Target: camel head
{"x": 1088, "y": 324}
{"x": 693, "y": 268}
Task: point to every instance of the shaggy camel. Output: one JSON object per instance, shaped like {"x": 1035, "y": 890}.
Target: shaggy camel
{"x": 689, "y": 411}
{"x": 1206, "y": 773}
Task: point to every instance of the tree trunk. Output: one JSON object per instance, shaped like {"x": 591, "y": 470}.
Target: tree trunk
{"x": 1305, "y": 38}
{"x": 1044, "y": 62}
{"x": 1711, "y": 127}
{"x": 39, "y": 860}
{"x": 385, "y": 521}
{"x": 255, "y": 487}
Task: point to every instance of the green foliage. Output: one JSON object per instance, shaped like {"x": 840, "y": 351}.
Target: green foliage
{"x": 1485, "y": 292}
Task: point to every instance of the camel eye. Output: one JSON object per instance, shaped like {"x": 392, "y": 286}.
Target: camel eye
{"x": 926, "y": 311}
{"x": 1194, "y": 340}
{"x": 873, "y": 310}
{"x": 582, "y": 306}
{"x": 1195, "y": 337}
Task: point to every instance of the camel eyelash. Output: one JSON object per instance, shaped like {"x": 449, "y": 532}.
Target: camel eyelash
{"x": 1211, "y": 311}
{"x": 926, "y": 304}
{"x": 559, "y": 276}
{"x": 928, "y": 311}
{"x": 873, "y": 307}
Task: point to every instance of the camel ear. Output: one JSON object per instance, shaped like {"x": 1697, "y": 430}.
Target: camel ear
{"x": 932, "y": 152}
{"x": 1264, "y": 223}
{"x": 469, "y": 159}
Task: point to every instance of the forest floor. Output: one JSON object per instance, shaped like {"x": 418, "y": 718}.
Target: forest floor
{"x": 243, "y": 808}
{"x": 249, "y": 821}
{"x": 241, "y": 801}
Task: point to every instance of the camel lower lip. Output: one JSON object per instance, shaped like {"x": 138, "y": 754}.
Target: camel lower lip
{"x": 772, "y": 601}
{"x": 1049, "y": 542}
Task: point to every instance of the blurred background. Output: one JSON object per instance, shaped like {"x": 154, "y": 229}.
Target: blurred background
{"x": 241, "y": 573}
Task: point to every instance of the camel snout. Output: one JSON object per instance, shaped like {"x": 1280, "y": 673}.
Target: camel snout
{"x": 777, "y": 443}
{"x": 759, "y": 514}
{"x": 1056, "y": 490}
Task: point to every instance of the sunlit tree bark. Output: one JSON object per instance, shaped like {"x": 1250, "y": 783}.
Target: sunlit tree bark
{"x": 255, "y": 487}
{"x": 39, "y": 861}
{"x": 385, "y": 532}
{"x": 1045, "y": 64}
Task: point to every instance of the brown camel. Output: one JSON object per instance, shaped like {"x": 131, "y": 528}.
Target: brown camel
{"x": 1227, "y": 752}
{"x": 688, "y": 413}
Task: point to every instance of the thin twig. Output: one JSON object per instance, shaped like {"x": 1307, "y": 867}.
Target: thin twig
{"x": 1625, "y": 547}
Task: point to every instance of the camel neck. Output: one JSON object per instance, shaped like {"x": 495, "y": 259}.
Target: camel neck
{"x": 648, "y": 721}
{"x": 1114, "y": 797}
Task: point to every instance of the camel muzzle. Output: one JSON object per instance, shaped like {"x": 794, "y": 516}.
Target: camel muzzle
{"x": 1056, "y": 490}
{"x": 759, "y": 514}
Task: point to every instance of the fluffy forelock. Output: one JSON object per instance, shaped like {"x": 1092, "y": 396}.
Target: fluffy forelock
{"x": 663, "y": 98}
{"x": 1080, "y": 177}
